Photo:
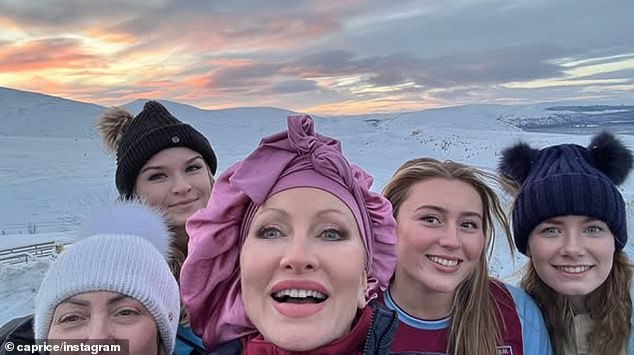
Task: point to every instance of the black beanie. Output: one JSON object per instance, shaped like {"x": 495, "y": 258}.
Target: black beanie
{"x": 151, "y": 131}
{"x": 568, "y": 179}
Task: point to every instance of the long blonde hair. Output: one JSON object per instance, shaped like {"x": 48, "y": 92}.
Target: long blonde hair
{"x": 475, "y": 313}
{"x": 610, "y": 309}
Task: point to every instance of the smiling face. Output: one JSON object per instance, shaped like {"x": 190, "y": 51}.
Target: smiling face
{"x": 572, "y": 254}
{"x": 177, "y": 181}
{"x": 302, "y": 269}
{"x": 106, "y": 316}
{"x": 439, "y": 235}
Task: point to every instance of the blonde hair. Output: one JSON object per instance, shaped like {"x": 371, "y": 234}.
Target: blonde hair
{"x": 475, "y": 313}
{"x": 610, "y": 309}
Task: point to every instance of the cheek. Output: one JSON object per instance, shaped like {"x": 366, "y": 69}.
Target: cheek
{"x": 538, "y": 249}
{"x": 540, "y": 254}
{"x": 256, "y": 268}
{"x": 473, "y": 246}
{"x": 350, "y": 276}
{"x": 151, "y": 194}
{"x": 605, "y": 253}
{"x": 412, "y": 239}
{"x": 203, "y": 183}
{"x": 56, "y": 333}
{"x": 144, "y": 338}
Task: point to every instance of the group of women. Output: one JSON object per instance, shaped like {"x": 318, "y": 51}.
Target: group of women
{"x": 288, "y": 251}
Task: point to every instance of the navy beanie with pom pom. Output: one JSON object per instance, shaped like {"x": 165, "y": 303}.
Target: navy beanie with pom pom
{"x": 568, "y": 179}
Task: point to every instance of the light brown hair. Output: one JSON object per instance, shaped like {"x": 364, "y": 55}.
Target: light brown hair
{"x": 610, "y": 309}
{"x": 476, "y": 320}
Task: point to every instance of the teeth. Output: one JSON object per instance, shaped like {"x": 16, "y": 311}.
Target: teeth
{"x": 299, "y": 293}
{"x": 574, "y": 269}
{"x": 443, "y": 261}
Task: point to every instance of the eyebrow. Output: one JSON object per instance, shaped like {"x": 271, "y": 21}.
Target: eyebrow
{"x": 329, "y": 211}
{"x": 117, "y": 299}
{"x": 267, "y": 210}
{"x": 553, "y": 221}
{"x": 286, "y": 214}
{"x": 79, "y": 302}
{"x": 159, "y": 167}
{"x": 445, "y": 211}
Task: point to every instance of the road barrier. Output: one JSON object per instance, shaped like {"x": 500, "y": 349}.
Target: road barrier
{"x": 25, "y": 253}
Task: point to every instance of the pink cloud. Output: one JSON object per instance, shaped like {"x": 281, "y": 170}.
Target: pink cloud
{"x": 46, "y": 54}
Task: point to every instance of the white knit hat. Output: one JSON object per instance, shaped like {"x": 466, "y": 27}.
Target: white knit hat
{"x": 124, "y": 250}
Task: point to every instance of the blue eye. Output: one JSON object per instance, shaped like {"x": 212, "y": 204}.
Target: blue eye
{"x": 269, "y": 233}
{"x": 550, "y": 231}
{"x": 594, "y": 229}
{"x": 332, "y": 234}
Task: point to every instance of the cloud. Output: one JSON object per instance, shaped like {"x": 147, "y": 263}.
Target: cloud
{"x": 325, "y": 54}
{"x": 243, "y": 76}
{"x": 494, "y": 66}
{"x": 47, "y": 54}
{"x": 190, "y": 24}
{"x": 293, "y": 86}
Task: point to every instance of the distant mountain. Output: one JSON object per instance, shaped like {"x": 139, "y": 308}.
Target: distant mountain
{"x": 36, "y": 115}
{"x": 30, "y": 114}
{"x": 577, "y": 119}
{"x": 27, "y": 114}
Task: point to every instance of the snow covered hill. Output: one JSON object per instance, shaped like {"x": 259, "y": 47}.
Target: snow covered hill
{"x": 54, "y": 167}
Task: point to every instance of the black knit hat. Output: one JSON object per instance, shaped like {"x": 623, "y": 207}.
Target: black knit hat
{"x": 568, "y": 179}
{"x": 136, "y": 140}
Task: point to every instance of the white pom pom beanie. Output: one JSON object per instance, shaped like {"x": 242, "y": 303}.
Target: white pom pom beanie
{"x": 125, "y": 251}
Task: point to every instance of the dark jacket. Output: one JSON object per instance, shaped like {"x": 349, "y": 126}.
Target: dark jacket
{"x": 18, "y": 331}
{"x": 378, "y": 339}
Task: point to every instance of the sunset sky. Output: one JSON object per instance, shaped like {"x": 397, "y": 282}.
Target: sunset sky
{"x": 322, "y": 56}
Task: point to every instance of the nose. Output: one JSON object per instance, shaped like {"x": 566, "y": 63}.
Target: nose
{"x": 99, "y": 328}
{"x": 181, "y": 185}
{"x": 449, "y": 236}
{"x": 572, "y": 245}
{"x": 299, "y": 255}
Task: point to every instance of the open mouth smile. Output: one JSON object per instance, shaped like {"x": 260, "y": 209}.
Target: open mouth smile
{"x": 573, "y": 269}
{"x": 443, "y": 261}
{"x": 299, "y": 296}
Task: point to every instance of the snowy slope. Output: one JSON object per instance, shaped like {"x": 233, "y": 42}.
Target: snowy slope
{"x": 50, "y": 178}
{"x": 27, "y": 114}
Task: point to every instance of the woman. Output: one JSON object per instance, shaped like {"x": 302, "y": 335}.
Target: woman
{"x": 125, "y": 293}
{"x": 445, "y": 300}
{"x": 169, "y": 165}
{"x": 569, "y": 218}
{"x": 290, "y": 253}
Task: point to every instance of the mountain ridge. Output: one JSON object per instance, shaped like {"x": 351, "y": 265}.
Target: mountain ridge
{"x": 32, "y": 114}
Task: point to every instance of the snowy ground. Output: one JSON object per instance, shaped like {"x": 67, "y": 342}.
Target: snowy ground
{"x": 49, "y": 183}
